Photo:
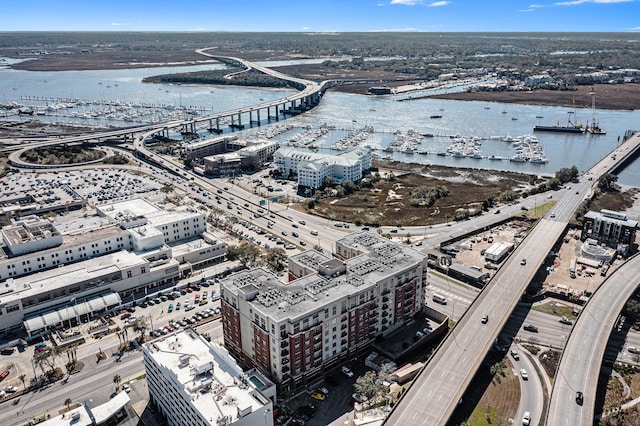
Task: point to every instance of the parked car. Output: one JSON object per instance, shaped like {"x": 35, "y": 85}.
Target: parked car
{"x": 318, "y": 395}
{"x": 126, "y": 388}
{"x": 359, "y": 398}
{"x": 4, "y": 374}
{"x": 346, "y": 371}
{"x": 515, "y": 354}
{"x": 565, "y": 320}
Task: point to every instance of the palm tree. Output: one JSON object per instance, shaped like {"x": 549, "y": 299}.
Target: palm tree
{"x": 23, "y": 378}
{"x": 67, "y": 402}
{"x": 167, "y": 189}
{"x": 140, "y": 325}
{"x": 117, "y": 380}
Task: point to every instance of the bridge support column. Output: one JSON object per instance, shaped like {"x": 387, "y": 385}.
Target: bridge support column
{"x": 218, "y": 124}
{"x": 258, "y": 114}
{"x": 239, "y": 120}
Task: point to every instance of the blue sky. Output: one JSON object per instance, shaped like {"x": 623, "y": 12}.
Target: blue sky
{"x": 320, "y": 15}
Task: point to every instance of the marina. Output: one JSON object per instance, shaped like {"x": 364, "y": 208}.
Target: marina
{"x": 96, "y": 105}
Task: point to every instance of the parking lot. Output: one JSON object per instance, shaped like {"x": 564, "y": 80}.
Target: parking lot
{"x": 171, "y": 309}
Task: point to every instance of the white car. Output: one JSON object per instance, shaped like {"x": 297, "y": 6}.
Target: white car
{"x": 126, "y": 388}
{"x": 347, "y": 372}
{"x": 526, "y": 418}
{"x": 633, "y": 350}
{"x": 523, "y": 374}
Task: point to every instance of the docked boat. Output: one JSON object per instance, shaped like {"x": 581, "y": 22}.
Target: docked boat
{"x": 595, "y": 129}
{"x": 539, "y": 160}
{"x": 518, "y": 159}
{"x": 494, "y": 157}
{"x": 559, "y": 129}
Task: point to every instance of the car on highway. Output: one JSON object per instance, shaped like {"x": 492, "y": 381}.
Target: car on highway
{"x": 485, "y": 319}
{"x": 284, "y": 233}
{"x": 294, "y": 234}
{"x": 530, "y": 327}
{"x": 302, "y": 222}
{"x": 295, "y": 225}
{"x": 524, "y": 374}
{"x": 515, "y": 354}
{"x": 579, "y": 398}
{"x": 346, "y": 371}
{"x": 523, "y": 262}
{"x": 526, "y": 418}
{"x": 565, "y": 320}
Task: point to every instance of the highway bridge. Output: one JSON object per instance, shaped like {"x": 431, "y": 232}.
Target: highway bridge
{"x": 579, "y": 367}
{"x": 440, "y": 386}
{"x": 308, "y": 97}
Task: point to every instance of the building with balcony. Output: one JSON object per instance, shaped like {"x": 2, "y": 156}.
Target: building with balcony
{"x": 196, "y": 383}
{"x": 313, "y": 168}
{"x": 332, "y": 309}
{"x": 613, "y": 229}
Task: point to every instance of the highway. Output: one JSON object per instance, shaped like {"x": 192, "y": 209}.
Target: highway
{"x": 435, "y": 392}
{"x": 531, "y": 394}
{"x": 579, "y": 368}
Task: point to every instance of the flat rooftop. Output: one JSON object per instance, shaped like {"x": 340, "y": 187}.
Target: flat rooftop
{"x": 209, "y": 376}
{"x": 96, "y": 268}
{"x": 312, "y": 292}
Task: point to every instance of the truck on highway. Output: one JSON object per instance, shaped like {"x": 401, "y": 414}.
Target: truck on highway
{"x": 199, "y": 170}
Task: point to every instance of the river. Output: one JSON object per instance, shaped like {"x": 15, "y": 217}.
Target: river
{"x": 120, "y": 94}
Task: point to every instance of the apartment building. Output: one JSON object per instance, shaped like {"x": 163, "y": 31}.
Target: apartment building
{"x": 312, "y": 168}
{"x": 330, "y": 310}
{"x": 196, "y": 383}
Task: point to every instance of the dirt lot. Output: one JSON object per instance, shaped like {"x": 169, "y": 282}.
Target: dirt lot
{"x": 475, "y": 246}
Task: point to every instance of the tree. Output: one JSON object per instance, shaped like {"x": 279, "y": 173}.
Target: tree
{"x": 140, "y": 325}
{"x": 247, "y": 254}
{"x": 371, "y": 384}
{"x": 117, "y": 379}
{"x": 275, "y": 258}
{"x": 607, "y": 181}
{"x": 68, "y": 402}
{"x": 167, "y": 189}
{"x": 23, "y": 378}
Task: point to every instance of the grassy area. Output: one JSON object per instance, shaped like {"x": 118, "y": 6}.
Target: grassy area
{"x": 499, "y": 402}
{"x": 540, "y": 210}
{"x": 561, "y": 310}
{"x": 392, "y": 199}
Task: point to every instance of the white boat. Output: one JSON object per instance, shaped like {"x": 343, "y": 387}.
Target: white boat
{"x": 517, "y": 159}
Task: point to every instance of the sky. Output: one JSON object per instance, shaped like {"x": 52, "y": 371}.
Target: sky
{"x": 321, "y": 15}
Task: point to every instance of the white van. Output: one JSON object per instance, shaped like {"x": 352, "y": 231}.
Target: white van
{"x": 438, "y": 298}
{"x": 314, "y": 232}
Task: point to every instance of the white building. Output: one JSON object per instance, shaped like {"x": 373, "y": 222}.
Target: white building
{"x": 58, "y": 274}
{"x": 196, "y": 383}
{"x": 331, "y": 309}
{"x": 312, "y": 168}
{"x": 535, "y": 80}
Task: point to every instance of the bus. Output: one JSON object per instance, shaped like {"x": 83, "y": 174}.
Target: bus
{"x": 438, "y": 298}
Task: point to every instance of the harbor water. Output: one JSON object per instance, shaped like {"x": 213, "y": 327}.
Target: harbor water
{"x": 120, "y": 98}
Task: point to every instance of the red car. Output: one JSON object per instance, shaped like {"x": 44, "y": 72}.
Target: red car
{"x": 4, "y": 374}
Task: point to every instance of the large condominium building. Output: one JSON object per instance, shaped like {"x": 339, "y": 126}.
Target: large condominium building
{"x": 196, "y": 383}
{"x": 312, "y": 168}
{"x": 331, "y": 309}
{"x": 56, "y": 273}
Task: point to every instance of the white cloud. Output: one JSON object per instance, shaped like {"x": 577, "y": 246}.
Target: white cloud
{"x": 438, "y": 3}
{"x": 577, "y": 2}
{"x": 531, "y": 8}
{"x": 407, "y": 2}
{"x": 119, "y": 24}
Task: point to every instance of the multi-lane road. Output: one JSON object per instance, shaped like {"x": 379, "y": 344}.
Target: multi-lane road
{"x": 434, "y": 394}
{"x": 579, "y": 368}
